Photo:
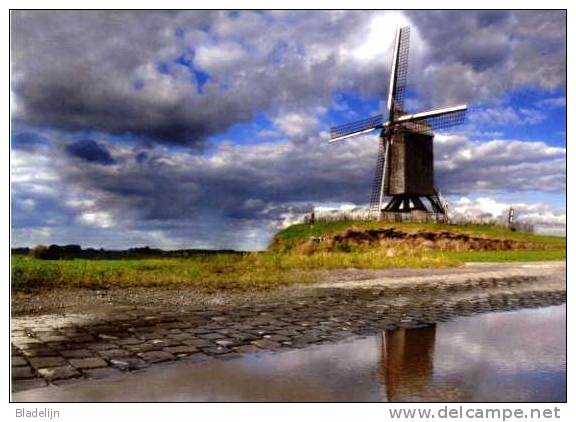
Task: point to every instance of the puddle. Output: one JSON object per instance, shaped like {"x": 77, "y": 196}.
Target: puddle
{"x": 504, "y": 356}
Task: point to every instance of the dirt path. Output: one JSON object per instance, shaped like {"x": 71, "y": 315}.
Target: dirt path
{"x": 61, "y": 301}
{"x": 469, "y": 274}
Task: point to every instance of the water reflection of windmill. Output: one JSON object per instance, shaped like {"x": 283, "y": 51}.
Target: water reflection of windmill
{"x": 405, "y": 166}
{"x": 407, "y": 363}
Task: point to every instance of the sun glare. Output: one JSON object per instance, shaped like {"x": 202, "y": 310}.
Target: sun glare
{"x": 380, "y": 36}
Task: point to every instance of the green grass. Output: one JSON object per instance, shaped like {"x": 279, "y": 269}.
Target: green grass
{"x": 506, "y": 256}
{"x": 258, "y": 271}
{"x": 253, "y": 272}
{"x": 218, "y": 272}
{"x": 272, "y": 269}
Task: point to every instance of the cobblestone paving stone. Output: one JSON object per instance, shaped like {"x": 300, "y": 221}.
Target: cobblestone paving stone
{"x": 59, "y": 349}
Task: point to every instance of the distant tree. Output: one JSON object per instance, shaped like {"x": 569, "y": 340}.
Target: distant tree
{"x": 71, "y": 249}
{"x": 56, "y": 252}
{"x": 20, "y": 251}
{"x": 43, "y": 252}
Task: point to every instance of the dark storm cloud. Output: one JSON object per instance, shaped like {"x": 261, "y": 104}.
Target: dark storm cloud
{"x": 476, "y": 56}
{"x": 140, "y": 72}
{"x": 259, "y": 183}
{"x": 90, "y": 151}
{"x": 266, "y": 181}
{"x": 39, "y": 209}
{"x": 241, "y": 191}
{"x": 77, "y": 70}
{"x": 180, "y": 77}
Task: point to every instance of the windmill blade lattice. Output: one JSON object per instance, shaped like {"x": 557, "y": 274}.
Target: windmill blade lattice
{"x": 373, "y": 122}
{"x": 437, "y": 123}
{"x": 401, "y": 69}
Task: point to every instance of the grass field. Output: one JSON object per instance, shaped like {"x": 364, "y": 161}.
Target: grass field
{"x": 264, "y": 270}
{"x": 258, "y": 271}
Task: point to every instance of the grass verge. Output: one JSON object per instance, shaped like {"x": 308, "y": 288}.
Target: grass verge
{"x": 251, "y": 272}
{"x": 507, "y": 256}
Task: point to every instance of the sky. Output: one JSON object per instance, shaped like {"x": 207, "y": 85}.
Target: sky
{"x": 209, "y": 129}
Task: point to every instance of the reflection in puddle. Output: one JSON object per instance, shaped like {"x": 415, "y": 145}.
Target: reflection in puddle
{"x": 407, "y": 362}
{"x": 506, "y": 356}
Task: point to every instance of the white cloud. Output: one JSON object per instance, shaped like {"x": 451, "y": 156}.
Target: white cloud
{"x": 463, "y": 166}
{"x": 297, "y": 125}
{"x": 507, "y": 116}
{"x": 545, "y": 218}
{"x": 100, "y": 219}
{"x": 551, "y": 103}
{"x": 219, "y": 57}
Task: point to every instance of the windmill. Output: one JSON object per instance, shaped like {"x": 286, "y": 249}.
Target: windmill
{"x": 405, "y": 165}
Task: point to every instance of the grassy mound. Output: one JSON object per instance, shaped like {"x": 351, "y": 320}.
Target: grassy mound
{"x": 361, "y": 235}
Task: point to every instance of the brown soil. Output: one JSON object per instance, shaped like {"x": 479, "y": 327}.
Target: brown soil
{"x": 392, "y": 239}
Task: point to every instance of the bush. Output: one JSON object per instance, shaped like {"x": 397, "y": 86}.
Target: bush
{"x": 56, "y": 252}
{"x": 43, "y": 252}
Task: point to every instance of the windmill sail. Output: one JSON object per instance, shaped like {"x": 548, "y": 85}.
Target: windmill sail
{"x": 447, "y": 120}
{"x": 433, "y": 120}
{"x": 356, "y": 128}
{"x": 399, "y": 73}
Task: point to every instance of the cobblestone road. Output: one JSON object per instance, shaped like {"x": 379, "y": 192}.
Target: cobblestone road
{"x": 60, "y": 349}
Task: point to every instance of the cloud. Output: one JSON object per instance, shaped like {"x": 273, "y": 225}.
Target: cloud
{"x": 552, "y": 103}
{"x": 297, "y": 126}
{"x": 484, "y": 54}
{"x": 545, "y": 218}
{"x": 463, "y": 166}
{"x": 251, "y": 190}
{"x": 28, "y": 140}
{"x": 90, "y": 151}
{"x": 181, "y": 77}
{"x": 143, "y": 80}
{"x": 510, "y": 116}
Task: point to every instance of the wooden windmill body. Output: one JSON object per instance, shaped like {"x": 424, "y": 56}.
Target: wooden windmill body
{"x": 403, "y": 187}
